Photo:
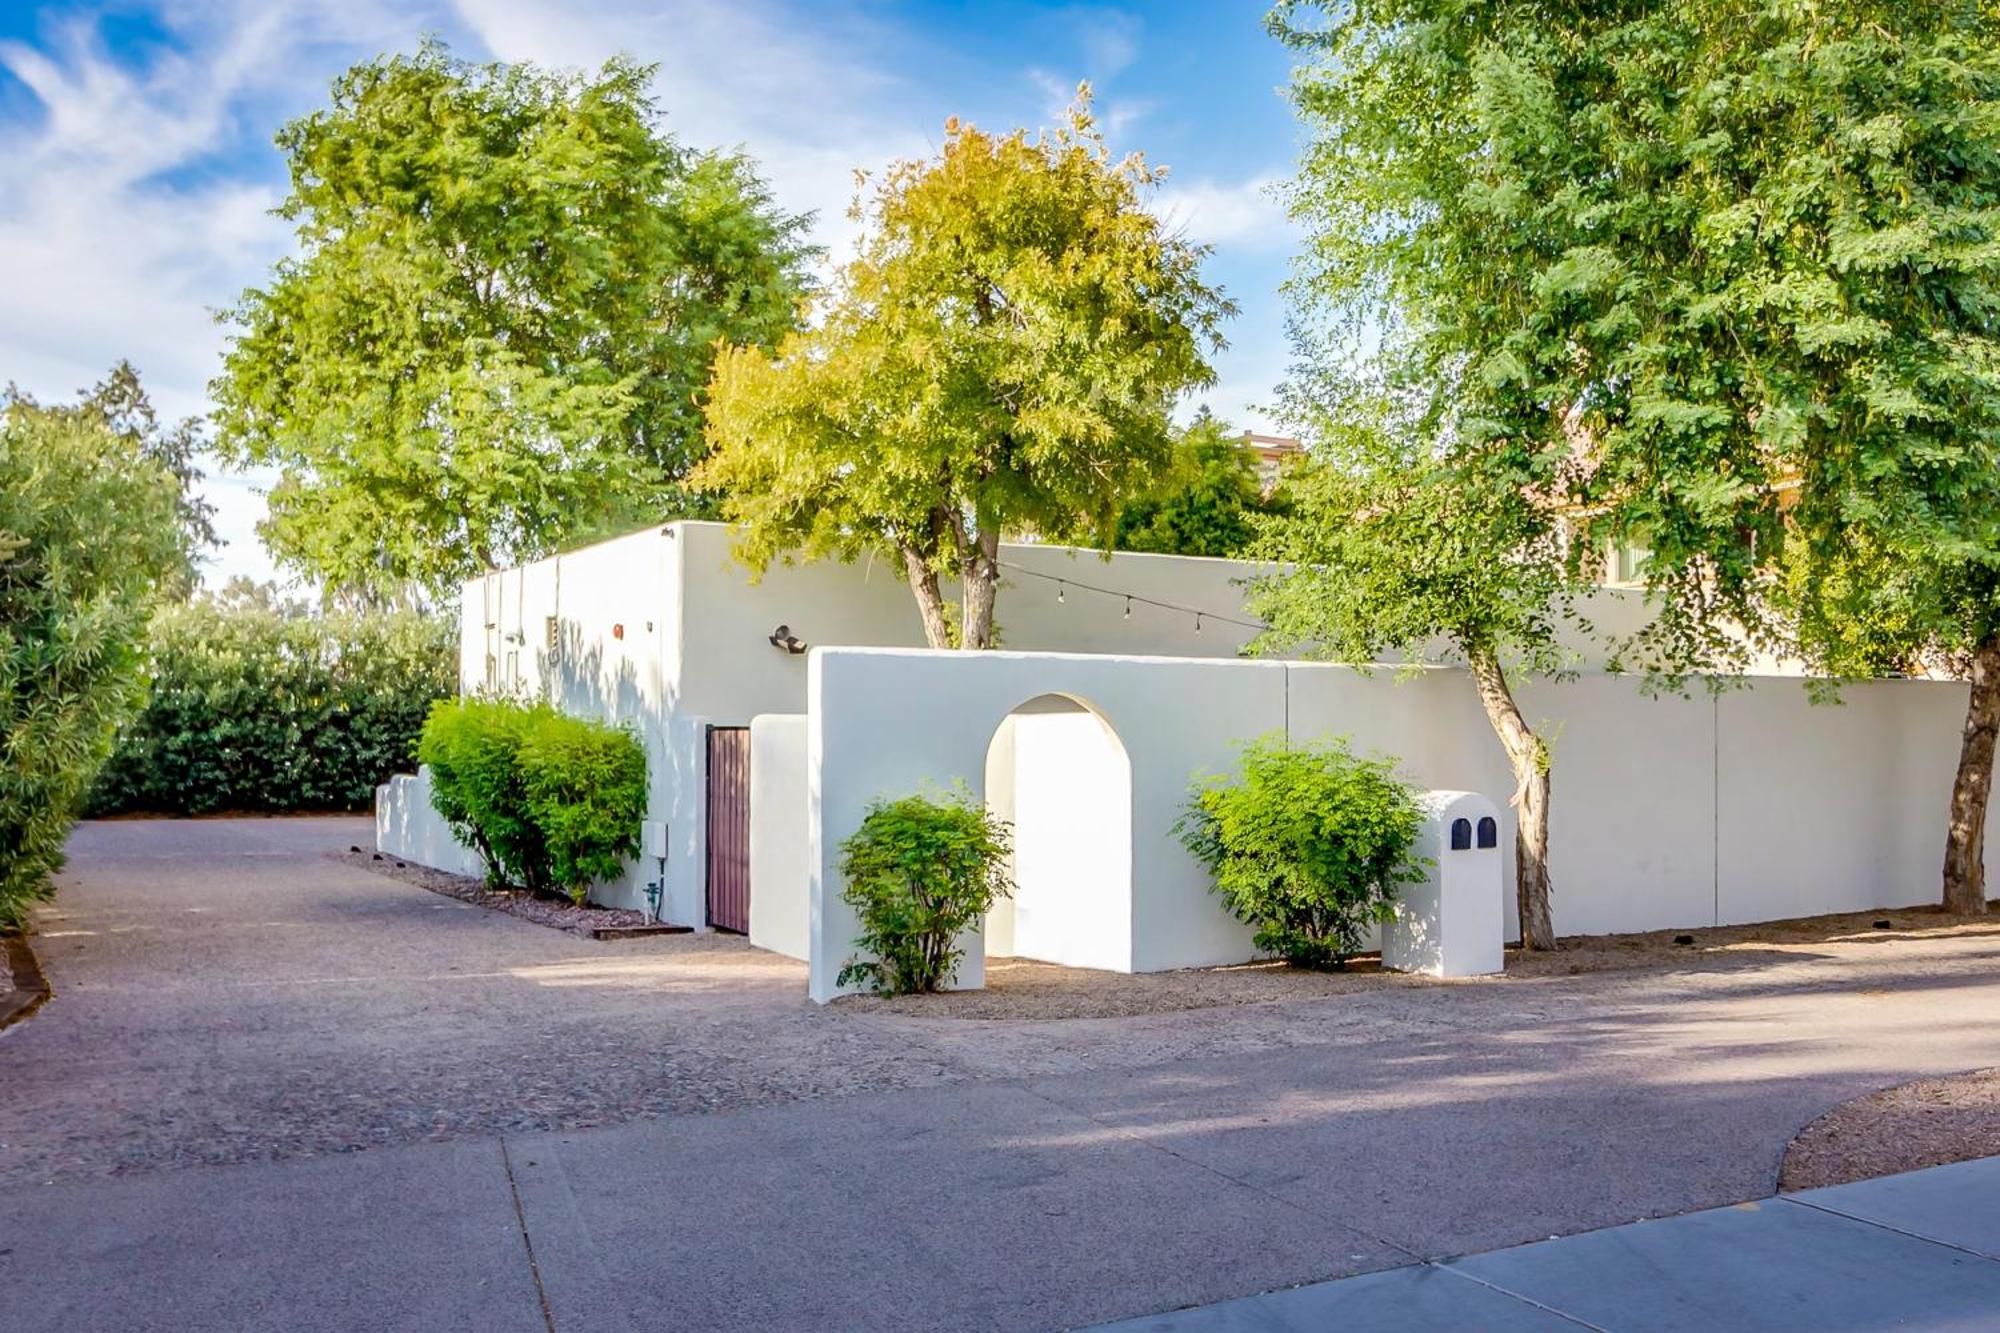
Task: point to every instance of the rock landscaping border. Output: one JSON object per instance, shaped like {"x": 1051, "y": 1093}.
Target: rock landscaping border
{"x": 28, "y": 987}
{"x": 594, "y": 923}
{"x": 1020, "y": 989}
{"x": 1931, "y": 1122}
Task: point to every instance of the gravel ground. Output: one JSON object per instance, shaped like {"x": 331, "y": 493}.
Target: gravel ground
{"x": 1019, "y": 989}
{"x": 227, "y": 991}
{"x": 1929, "y": 1122}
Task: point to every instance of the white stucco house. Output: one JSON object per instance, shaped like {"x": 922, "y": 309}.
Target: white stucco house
{"x": 806, "y": 695}
{"x": 662, "y": 629}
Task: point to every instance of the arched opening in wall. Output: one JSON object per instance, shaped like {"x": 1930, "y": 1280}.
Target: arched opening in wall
{"x": 1057, "y": 771}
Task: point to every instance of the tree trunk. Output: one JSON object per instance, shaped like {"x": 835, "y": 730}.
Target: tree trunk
{"x": 930, "y": 599}
{"x": 1965, "y": 836}
{"x": 982, "y": 586}
{"x": 1529, "y": 756}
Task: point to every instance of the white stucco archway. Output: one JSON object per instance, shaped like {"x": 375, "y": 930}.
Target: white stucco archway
{"x": 1058, "y": 773}
{"x": 888, "y": 721}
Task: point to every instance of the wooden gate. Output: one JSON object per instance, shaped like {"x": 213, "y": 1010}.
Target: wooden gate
{"x": 729, "y": 828}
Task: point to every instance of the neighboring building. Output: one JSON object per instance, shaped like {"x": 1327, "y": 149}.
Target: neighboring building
{"x": 1273, "y": 452}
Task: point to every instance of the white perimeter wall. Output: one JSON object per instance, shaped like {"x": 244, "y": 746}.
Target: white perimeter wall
{"x": 1748, "y": 805}
{"x": 885, "y": 722}
{"x": 408, "y": 827}
{"x": 694, "y": 649}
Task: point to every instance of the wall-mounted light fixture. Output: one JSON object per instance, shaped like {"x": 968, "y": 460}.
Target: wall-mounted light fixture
{"x": 782, "y": 637}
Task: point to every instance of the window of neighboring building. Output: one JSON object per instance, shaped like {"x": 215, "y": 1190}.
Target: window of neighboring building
{"x": 1625, "y": 563}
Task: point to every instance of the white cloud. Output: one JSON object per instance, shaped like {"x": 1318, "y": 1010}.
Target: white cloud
{"x": 113, "y": 242}
{"x": 128, "y": 212}
{"x": 1240, "y": 215}
{"x": 1109, "y": 38}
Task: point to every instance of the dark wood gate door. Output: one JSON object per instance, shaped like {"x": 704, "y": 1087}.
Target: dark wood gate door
{"x": 729, "y": 828}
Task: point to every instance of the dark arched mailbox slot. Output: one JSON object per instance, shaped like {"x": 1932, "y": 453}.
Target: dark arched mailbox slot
{"x": 1461, "y": 834}
{"x": 1489, "y": 832}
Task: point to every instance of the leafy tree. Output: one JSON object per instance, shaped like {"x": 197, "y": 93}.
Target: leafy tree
{"x": 1734, "y": 261}
{"x": 1390, "y": 548}
{"x": 1209, "y": 501}
{"x": 999, "y": 357}
{"x": 498, "y": 330}
{"x": 90, "y": 541}
{"x": 120, "y": 404}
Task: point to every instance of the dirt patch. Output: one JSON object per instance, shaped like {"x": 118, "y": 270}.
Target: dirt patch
{"x": 23, "y": 987}
{"x": 1931, "y": 1122}
{"x": 602, "y": 923}
{"x": 1019, "y": 989}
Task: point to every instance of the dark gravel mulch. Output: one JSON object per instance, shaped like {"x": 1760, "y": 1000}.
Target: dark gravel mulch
{"x": 1931, "y": 1122}
{"x": 23, "y": 988}
{"x": 557, "y": 913}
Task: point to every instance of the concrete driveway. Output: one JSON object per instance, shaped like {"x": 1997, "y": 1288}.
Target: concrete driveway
{"x": 665, "y": 1134}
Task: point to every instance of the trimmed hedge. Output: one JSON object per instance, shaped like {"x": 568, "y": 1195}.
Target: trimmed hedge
{"x": 254, "y": 708}
{"x": 553, "y": 803}
{"x": 1308, "y": 844}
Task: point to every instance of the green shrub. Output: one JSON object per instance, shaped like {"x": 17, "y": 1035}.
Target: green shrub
{"x": 473, "y": 750}
{"x": 552, "y": 803}
{"x": 260, "y": 707}
{"x": 89, "y": 538}
{"x": 585, "y": 785}
{"x": 1308, "y": 844}
{"x": 920, "y": 872}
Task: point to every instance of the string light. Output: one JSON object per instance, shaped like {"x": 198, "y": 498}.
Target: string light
{"x": 1201, "y": 617}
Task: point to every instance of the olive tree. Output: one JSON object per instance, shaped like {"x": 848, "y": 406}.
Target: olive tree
{"x": 90, "y": 543}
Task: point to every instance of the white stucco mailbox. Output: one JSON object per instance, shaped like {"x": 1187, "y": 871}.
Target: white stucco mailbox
{"x": 1452, "y": 923}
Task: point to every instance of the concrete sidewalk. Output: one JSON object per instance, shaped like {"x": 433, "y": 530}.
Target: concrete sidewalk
{"x": 1920, "y": 1250}
{"x": 623, "y": 1231}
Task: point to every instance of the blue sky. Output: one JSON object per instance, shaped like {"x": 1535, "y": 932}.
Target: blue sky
{"x": 136, "y": 166}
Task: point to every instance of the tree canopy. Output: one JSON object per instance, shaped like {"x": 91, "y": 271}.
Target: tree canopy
{"x": 1719, "y": 276}
{"x": 1207, "y": 503}
{"x": 498, "y": 328}
{"x": 120, "y": 404}
{"x": 1000, "y": 356}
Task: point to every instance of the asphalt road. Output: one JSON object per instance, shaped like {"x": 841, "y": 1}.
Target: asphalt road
{"x": 277, "y": 1091}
